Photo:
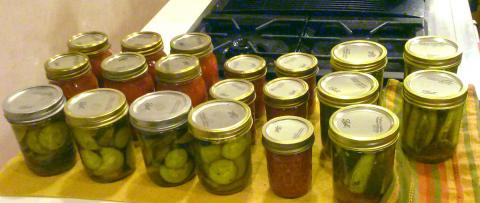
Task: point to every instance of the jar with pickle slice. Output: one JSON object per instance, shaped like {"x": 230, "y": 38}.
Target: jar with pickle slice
{"x": 433, "y": 104}
{"x": 252, "y": 68}
{"x": 286, "y": 97}
{"x": 200, "y": 45}
{"x": 36, "y": 117}
{"x": 149, "y": 44}
{"x": 363, "y": 139}
{"x": 339, "y": 89}
{"x": 222, "y": 149}
{"x": 181, "y": 72}
{"x": 238, "y": 90}
{"x": 288, "y": 142}
{"x": 431, "y": 53}
{"x": 128, "y": 73}
{"x": 160, "y": 120}
{"x": 99, "y": 119}
{"x": 71, "y": 72}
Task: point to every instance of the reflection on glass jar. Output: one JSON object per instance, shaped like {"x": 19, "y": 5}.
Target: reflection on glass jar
{"x": 286, "y": 97}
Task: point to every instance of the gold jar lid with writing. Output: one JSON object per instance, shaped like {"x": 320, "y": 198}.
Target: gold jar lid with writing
{"x": 67, "y": 66}
{"x": 144, "y": 42}
{"x": 89, "y": 42}
{"x": 296, "y": 64}
{"x": 358, "y": 55}
{"x": 288, "y": 135}
{"x": 176, "y": 68}
{"x": 286, "y": 92}
{"x": 245, "y": 66}
{"x": 236, "y": 89}
{"x": 124, "y": 66}
{"x": 432, "y": 52}
{"x": 195, "y": 43}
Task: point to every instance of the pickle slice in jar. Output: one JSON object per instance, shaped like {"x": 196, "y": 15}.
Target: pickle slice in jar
{"x": 176, "y": 158}
{"x": 176, "y": 175}
{"x": 53, "y": 136}
{"x": 222, "y": 171}
{"x": 20, "y": 132}
{"x": 130, "y": 156}
{"x": 91, "y": 159}
{"x": 85, "y": 139}
{"x": 112, "y": 160}
{"x": 122, "y": 136}
{"x": 159, "y": 153}
{"x": 106, "y": 136}
{"x": 234, "y": 149}
{"x": 33, "y": 142}
{"x": 210, "y": 153}
{"x": 241, "y": 162}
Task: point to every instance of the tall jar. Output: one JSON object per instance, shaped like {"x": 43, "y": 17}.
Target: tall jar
{"x": 200, "y": 45}
{"x": 128, "y": 73}
{"x": 432, "y": 115}
{"x": 36, "y": 117}
{"x": 181, "y": 72}
{"x": 431, "y": 53}
{"x": 221, "y": 129}
{"x": 339, "y": 89}
{"x": 71, "y": 72}
{"x": 252, "y": 68}
{"x": 286, "y": 97}
{"x": 363, "y": 152}
{"x": 303, "y": 66}
{"x": 99, "y": 119}
{"x": 149, "y": 44}
{"x": 160, "y": 120}
{"x": 95, "y": 45}
{"x": 288, "y": 142}
{"x": 238, "y": 90}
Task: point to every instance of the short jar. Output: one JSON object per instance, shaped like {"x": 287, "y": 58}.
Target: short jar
{"x": 286, "y": 97}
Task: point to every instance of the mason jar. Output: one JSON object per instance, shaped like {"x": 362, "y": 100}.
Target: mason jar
{"x": 288, "y": 142}
{"x": 221, "y": 129}
{"x": 432, "y": 114}
{"x": 99, "y": 119}
{"x": 286, "y": 97}
{"x": 36, "y": 117}
{"x": 160, "y": 120}
{"x": 363, "y": 152}
{"x": 339, "y": 89}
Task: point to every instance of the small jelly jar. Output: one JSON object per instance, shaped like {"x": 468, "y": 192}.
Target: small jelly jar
{"x": 286, "y": 97}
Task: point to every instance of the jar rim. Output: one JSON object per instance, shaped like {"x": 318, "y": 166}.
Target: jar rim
{"x": 81, "y": 67}
{"x": 99, "y": 44}
{"x": 301, "y": 139}
{"x": 145, "y": 49}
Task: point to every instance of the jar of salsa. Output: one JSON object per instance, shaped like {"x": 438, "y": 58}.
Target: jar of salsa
{"x": 181, "y": 72}
{"x": 363, "y": 152}
{"x": 339, "y": 89}
{"x": 288, "y": 142}
{"x": 102, "y": 133}
{"x": 286, "y": 97}
{"x": 127, "y": 72}
{"x": 238, "y": 90}
{"x": 149, "y": 44}
{"x": 221, "y": 129}
{"x": 252, "y": 68}
{"x": 37, "y": 120}
{"x": 95, "y": 45}
{"x": 199, "y": 45}
{"x": 160, "y": 120}
{"x": 71, "y": 72}
{"x": 303, "y": 66}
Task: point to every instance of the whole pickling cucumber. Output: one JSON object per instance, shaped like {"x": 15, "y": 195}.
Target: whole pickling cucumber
{"x": 446, "y": 126}
{"x": 361, "y": 173}
{"x": 413, "y": 122}
{"x": 454, "y": 130}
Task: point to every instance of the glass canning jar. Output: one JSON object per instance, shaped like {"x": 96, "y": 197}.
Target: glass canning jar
{"x": 288, "y": 142}
{"x": 160, "y": 120}
{"x": 432, "y": 114}
{"x": 71, "y": 72}
{"x": 36, "y": 117}
{"x": 102, "y": 133}
{"x": 339, "y": 89}
{"x": 222, "y": 149}
{"x": 286, "y": 97}
{"x": 363, "y": 152}
{"x": 127, "y": 72}
{"x": 181, "y": 72}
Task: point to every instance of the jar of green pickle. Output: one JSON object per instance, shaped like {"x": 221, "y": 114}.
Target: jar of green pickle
{"x": 221, "y": 129}
{"x": 432, "y": 114}
{"x": 363, "y": 152}
{"x": 160, "y": 120}
{"x": 339, "y": 89}
{"x": 102, "y": 133}
{"x": 37, "y": 119}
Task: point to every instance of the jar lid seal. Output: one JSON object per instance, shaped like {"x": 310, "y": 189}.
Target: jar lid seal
{"x": 288, "y": 135}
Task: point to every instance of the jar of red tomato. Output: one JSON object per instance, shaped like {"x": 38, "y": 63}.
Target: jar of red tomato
{"x": 181, "y": 72}
{"x": 286, "y": 97}
{"x": 127, "y": 72}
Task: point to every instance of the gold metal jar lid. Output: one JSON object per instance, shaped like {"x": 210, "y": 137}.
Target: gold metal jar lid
{"x": 236, "y": 89}
{"x": 96, "y": 108}
{"x": 220, "y": 120}
{"x": 286, "y": 92}
{"x": 145, "y": 43}
{"x": 432, "y": 51}
{"x": 195, "y": 43}
{"x": 434, "y": 89}
{"x": 89, "y": 42}
{"x": 296, "y": 64}
{"x": 288, "y": 135}
{"x": 124, "y": 66}
{"x": 358, "y": 55}
{"x": 33, "y": 104}
{"x": 344, "y": 88}
{"x": 67, "y": 66}
{"x": 364, "y": 127}
{"x": 246, "y": 66}
{"x": 160, "y": 111}
{"x": 177, "y": 68}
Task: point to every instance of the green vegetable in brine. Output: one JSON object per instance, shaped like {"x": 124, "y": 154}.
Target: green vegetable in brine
{"x": 176, "y": 175}
{"x": 222, "y": 171}
{"x": 234, "y": 149}
{"x": 85, "y": 139}
{"x": 210, "y": 153}
{"x": 91, "y": 159}
{"x": 54, "y": 135}
{"x": 20, "y": 132}
{"x": 361, "y": 173}
{"x": 33, "y": 142}
{"x": 130, "y": 156}
{"x": 176, "y": 158}
{"x": 106, "y": 136}
{"x": 122, "y": 136}
{"x": 112, "y": 161}
{"x": 241, "y": 162}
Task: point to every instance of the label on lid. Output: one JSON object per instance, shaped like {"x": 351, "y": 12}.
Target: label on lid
{"x": 435, "y": 84}
{"x": 142, "y": 40}
{"x": 95, "y": 103}
{"x": 160, "y": 106}
{"x": 286, "y": 88}
{"x": 433, "y": 48}
{"x": 358, "y": 52}
{"x": 347, "y": 85}
{"x": 296, "y": 61}
{"x": 363, "y": 123}
{"x": 176, "y": 63}
{"x": 191, "y": 42}
{"x": 245, "y": 64}
{"x": 287, "y": 131}
{"x": 32, "y": 99}
{"x": 123, "y": 62}
{"x": 217, "y": 115}
{"x": 88, "y": 39}
{"x": 67, "y": 61}
{"x": 233, "y": 90}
